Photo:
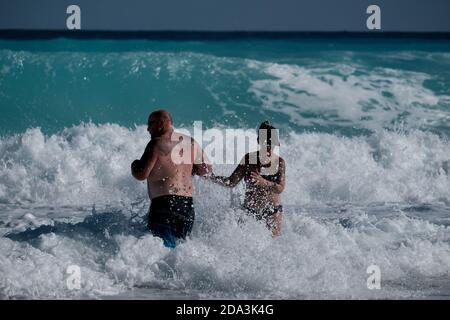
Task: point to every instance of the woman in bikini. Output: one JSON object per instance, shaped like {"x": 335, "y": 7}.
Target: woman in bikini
{"x": 264, "y": 175}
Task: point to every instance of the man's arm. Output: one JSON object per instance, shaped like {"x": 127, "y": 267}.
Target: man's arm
{"x": 201, "y": 165}
{"x": 140, "y": 169}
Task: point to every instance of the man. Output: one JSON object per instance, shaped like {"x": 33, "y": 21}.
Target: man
{"x": 168, "y": 163}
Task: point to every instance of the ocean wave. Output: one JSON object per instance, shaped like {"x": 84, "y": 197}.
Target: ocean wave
{"x": 335, "y": 91}
{"x": 315, "y": 257}
{"x": 69, "y": 199}
{"x": 88, "y": 164}
{"x": 349, "y": 94}
{"x": 364, "y": 135}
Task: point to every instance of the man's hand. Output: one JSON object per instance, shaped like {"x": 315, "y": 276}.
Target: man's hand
{"x": 202, "y": 169}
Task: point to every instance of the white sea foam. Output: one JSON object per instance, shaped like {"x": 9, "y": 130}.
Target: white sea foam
{"x": 348, "y": 94}
{"x": 337, "y": 220}
{"x": 81, "y": 165}
{"x": 316, "y": 257}
{"x": 89, "y": 164}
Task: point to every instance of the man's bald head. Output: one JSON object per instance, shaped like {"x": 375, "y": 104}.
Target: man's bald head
{"x": 161, "y": 114}
{"x": 159, "y": 122}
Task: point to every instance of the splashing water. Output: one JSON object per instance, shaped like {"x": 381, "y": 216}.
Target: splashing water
{"x": 364, "y": 132}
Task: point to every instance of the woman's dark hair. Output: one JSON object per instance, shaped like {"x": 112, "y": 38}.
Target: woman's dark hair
{"x": 269, "y": 133}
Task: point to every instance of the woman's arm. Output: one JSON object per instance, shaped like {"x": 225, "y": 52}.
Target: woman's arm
{"x": 232, "y": 180}
{"x": 235, "y": 177}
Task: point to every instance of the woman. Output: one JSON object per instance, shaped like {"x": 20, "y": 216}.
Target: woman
{"x": 264, "y": 176}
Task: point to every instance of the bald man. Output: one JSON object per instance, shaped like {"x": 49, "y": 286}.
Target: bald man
{"x": 168, "y": 164}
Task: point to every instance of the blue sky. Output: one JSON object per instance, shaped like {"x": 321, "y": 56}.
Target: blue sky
{"x": 227, "y": 15}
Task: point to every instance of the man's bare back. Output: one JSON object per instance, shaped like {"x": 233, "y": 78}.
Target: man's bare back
{"x": 170, "y": 174}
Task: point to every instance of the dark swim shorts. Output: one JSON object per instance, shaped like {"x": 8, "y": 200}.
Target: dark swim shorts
{"x": 171, "y": 217}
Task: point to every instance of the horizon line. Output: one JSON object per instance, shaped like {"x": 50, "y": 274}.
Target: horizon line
{"x": 213, "y": 34}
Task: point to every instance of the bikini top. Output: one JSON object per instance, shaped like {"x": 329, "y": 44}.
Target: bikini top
{"x": 270, "y": 177}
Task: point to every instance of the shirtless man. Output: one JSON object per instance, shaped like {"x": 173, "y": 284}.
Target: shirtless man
{"x": 168, "y": 164}
{"x": 264, "y": 176}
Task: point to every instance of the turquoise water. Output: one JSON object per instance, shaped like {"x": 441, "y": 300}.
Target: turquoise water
{"x": 364, "y": 126}
{"x": 342, "y": 85}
